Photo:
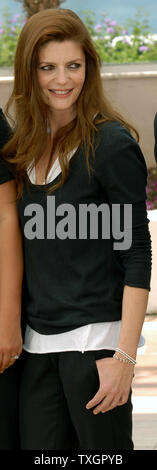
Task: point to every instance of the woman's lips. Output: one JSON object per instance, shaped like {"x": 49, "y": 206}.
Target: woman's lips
{"x": 61, "y": 93}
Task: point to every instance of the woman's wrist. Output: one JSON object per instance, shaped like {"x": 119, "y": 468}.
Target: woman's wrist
{"x": 123, "y": 356}
{"x": 128, "y": 348}
{"x": 123, "y": 359}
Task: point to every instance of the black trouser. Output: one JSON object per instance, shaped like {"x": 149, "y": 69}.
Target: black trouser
{"x": 9, "y": 395}
{"x": 55, "y": 389}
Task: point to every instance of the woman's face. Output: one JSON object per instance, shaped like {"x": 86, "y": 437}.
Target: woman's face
{"x": 61, "y": 75}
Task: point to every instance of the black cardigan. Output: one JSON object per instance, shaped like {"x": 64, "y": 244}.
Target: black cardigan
{"x": 69, "y": 281}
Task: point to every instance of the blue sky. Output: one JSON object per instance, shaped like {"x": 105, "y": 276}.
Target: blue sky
{"x": 119, "y": 10}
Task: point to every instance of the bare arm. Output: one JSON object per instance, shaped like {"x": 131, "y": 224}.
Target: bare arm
{"x": 133, "y": 314}
{"x": 115, "y": 376}
{"x": 11, "y": 273}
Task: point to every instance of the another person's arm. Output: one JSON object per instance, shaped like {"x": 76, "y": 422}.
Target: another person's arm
{"x": 11, "y": 261}
{"x": 11, "y": 273}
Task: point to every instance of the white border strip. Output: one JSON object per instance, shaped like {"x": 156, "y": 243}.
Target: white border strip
{"x": 6, "y": 80}
{"x": 144, "y": 404}
{"x": 117, "y": 75}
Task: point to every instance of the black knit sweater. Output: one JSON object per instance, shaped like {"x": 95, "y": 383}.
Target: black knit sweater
{"x": 73, "y": 274}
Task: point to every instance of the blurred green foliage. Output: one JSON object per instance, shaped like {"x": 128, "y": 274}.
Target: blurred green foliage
{"x": 132, "y": 42}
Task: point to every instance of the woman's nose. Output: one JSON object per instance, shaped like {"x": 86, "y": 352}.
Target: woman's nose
{"x": 61, "y": 76}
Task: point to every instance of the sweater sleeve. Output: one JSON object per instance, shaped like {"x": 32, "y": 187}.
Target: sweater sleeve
{"x": 122, "y": 172}
{"x": 5, "y": 132}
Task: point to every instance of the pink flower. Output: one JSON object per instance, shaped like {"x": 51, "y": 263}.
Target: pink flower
{"x": 110, "y": 30}
{"x": 98, "y": 27}
{"x": 15, "y": 18}
{"x": 143, "y": 48}
{"x": 107, "y": 21}
{"x": 149, "y": 205}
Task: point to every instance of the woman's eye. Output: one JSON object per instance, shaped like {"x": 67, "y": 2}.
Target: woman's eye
{"x": 50, "y": 67}
{"x": 74, "y": 66}
{"x": 47, "y": 67}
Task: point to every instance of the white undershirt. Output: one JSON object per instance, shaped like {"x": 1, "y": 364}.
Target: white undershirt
{"x": 94, "y": 336}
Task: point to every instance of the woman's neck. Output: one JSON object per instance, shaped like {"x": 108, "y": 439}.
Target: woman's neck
{"x": 60, "y": 119}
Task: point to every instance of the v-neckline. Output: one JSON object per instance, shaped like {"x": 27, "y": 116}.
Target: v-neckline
{"x": 55, "y": 165}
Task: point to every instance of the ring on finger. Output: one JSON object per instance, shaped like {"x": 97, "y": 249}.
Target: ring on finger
{"x": 15, "y": 357}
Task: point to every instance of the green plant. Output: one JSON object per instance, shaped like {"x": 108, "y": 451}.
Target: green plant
{"x": 9, "y": 33}
{"x": 115, "y": 43}
{"x": 139, "y": 25}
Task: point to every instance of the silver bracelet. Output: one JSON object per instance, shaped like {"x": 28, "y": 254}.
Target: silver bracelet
{"x": 121, "y": 359}
{"x": 131, "y": 359}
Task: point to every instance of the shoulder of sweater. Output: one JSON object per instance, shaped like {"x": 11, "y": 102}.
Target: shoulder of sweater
{"x": 113, "y": 137}
{"x": 117, "y": 146}
{"x": 4, "y": 122}
{"x": 1, "y": 114}
{"x": 113, "y": 130}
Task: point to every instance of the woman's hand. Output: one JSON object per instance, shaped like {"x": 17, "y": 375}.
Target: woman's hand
{"x": 10, "y": 341}
{"x": 115, "y": 380}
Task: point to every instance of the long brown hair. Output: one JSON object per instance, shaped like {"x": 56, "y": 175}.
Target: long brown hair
{"x": 30, "y": 112}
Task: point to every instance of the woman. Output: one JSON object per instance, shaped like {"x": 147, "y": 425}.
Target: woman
{"x": 85, "y": 297}
{"x": 10, "y": 301}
